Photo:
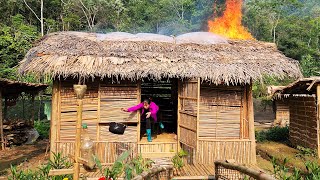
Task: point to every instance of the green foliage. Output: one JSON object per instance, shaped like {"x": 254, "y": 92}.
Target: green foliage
{"x": 177, "y": 160}
{"x": 278, "y": 134}
{"x": 305, "y": 152}
{"x": 294, "y": 25}
{"x": 15, "y": 40}
{"x": 116, "y": 169}
{"x": 310, "y": 66}
{"x": 260, "y": 87}
{"x": 281, "y": 171}
{"x": 42, "y": 173}
{"x": 136, "y": 166}
{"x": 43, "y": 128}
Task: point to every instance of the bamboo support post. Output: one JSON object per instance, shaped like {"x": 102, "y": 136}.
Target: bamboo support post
{"x": 80, "y": 91}
{"x": 54, "y": 115}
{"x": 78, "y": 140}
{"x": 318, "y": 121}
{"x": 178, "y": 115}
{"x": 1, "y": 122}
{"x": 198, "y": 117}
{"x": 251, "y": 123}
{"x": 245, "y": 170}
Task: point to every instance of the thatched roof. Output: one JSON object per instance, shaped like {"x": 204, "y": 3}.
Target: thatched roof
{"x": 10, "y": 88}
{"x": 125, "y": 55}
{"x": 301, "y": 87}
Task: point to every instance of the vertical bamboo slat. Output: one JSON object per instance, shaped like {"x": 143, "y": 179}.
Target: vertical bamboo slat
{"x": 245, "y": 113}
{"x": 241, "y": 119}
{"x": 58, "y": 120}
{"x": 138, "y": 116}
{"x": 179, "y": 118}
{"x": 318, "y": 121}
{"x": 98, "y": 148}
{"x": 1, "y": 122}
{"x": 54, "y": 116}
{"x": 198, "y": 115}
{"x": 251, "y": 123}
{"x": 78, "y": 140}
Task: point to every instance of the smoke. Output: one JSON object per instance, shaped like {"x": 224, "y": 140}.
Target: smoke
{"x": 195, "y": 18}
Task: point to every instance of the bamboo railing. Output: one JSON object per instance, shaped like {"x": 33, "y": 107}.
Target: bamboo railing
{"x": 225, "y": 170}
{"x": 154, "y": 173}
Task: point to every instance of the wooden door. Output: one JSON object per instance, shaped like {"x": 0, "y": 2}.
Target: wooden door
{"x": 188, "y": 116}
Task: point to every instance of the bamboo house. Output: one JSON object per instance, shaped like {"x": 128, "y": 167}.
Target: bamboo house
{"x": 201, "y": 82}
{"x": 303, "y": 96}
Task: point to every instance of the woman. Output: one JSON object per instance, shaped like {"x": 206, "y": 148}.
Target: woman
{"x": 149, "y": 111}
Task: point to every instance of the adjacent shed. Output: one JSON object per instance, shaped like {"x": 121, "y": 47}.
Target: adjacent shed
{"x": 203, "y": 80}
{"x": 303, "y": 97}
{"x": 9, "y": 91}
{"x": 280, "y": 107}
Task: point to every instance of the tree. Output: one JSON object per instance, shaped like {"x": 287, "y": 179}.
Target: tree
{"x": 41, "y": 14}
{"x": 15, "y": 40}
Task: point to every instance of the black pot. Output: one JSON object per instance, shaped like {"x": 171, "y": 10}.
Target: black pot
{"x": 117, "y": 128}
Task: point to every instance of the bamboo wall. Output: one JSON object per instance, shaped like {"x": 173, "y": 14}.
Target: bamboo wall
{"x": 220, "y": 112}
{"x": 282, "y": 112}
{"x": 188, "y": 117}
{"x": 213, "y": 121}
{"x": 213, "y": 150}
{"x": 303, "y": 122}
{"x": 101, "y": 105}
{"x": 223, "y": 125}
{"x": 219, "y": 129}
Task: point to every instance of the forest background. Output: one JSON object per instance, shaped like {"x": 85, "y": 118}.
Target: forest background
{"x": 294, "y": 25}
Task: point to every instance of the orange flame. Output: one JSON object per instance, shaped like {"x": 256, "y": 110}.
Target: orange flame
{"x": 229, "y": 25}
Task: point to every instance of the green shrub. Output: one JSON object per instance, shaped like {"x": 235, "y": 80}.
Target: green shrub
{"x": 281, "y": 171}
{"x": 116, "y": 169}
{"x": 43, "y": 128}
{"x": 136, "y": 166}
{"x": 278, "y": 134}
{"x": 42, "y": 173}
{"x": 177, "y": 160}
{"x": 305, "y": 152}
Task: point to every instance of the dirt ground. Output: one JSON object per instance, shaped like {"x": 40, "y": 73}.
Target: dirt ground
{"x": 25, "y": 157}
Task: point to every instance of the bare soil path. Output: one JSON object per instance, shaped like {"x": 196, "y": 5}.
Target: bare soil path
{"x": 25, "y": 157}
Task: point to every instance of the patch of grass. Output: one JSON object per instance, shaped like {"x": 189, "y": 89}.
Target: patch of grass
{"x": 277, "y": 134}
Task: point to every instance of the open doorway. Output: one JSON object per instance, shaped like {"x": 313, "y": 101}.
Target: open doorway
{"x": 165, "y": 94}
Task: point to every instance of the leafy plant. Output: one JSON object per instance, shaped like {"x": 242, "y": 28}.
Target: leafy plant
{"x": 42, "y": 173}
{"x": 43, "y": 128}
{"x": 281, "y": 171}
{"x": 116, "y": 169}
{"x": 177, "y": 160}
{"x": 305, "y": 152}
{"x": 313, "y": 170}
{"x": 278, "y": 134}
{"x": 136, "y": 166}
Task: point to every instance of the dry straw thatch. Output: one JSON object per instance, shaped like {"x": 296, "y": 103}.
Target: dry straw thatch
{"x": 125, "y": 55}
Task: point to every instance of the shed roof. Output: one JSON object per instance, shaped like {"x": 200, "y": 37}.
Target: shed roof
{"x": 136, "y": 56}
{"x": 12, "y": 88}
{"x": 301, "y": 87}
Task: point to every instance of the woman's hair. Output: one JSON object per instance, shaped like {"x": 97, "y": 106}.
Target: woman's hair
{"x": 147, "y": 101}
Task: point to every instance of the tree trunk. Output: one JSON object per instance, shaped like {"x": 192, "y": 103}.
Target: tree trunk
{"x": 41, "y": 18}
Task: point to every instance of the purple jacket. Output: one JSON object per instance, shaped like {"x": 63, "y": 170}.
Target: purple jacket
{"x": 153, "y": 109}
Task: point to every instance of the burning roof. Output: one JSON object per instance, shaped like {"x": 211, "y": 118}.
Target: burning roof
{"x": 125, "y": 55}
{"x": 229, "y": 24}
